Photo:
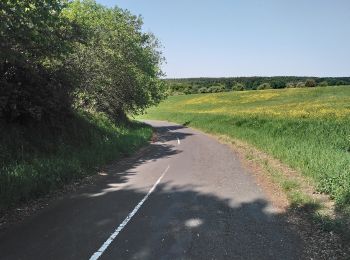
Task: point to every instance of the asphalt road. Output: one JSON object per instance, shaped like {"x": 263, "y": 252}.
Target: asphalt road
{"x": 186, "y": 196}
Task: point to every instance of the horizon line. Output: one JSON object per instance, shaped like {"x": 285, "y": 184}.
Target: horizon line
{"x": 227, "y": 77}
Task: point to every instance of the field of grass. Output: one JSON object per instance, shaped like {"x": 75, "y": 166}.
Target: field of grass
{"x": 39, "y": 159}
{"x": 308, "y": 129}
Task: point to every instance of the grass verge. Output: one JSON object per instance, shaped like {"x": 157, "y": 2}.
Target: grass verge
{"x": 36, "y": 160}
{"x": 300, "y": 191}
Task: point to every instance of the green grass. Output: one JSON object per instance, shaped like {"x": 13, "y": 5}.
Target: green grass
{"x": 308, "y": 129}
{"x": 39, "y": 159}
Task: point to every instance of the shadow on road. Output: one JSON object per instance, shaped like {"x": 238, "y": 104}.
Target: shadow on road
{"x": 166, "y": 134}
{"x": 181, "y": 223}
{"x": 120, "y": 171}
{"x": 176, "y": 222}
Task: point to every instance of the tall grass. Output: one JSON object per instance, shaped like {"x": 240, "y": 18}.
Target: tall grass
{"x": 308, "y": 129}
{"x": 38, "y": 159}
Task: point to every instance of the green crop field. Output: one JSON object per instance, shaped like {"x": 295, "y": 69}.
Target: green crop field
{"x": 308, "y": 129}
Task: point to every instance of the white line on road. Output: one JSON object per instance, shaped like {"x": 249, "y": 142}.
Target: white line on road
{"x": 178, "y": 140}
{"x": 105, "y": 245}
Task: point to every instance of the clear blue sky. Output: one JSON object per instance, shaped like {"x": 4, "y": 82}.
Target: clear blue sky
{"x": 220, "y": 38}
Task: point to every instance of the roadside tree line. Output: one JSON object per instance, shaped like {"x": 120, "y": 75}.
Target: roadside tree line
{"x": 60, "y": 55}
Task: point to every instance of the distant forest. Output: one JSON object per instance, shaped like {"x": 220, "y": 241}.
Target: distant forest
{"x": 213, "y": 85}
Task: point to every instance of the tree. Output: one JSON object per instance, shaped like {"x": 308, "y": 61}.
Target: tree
{"x": 57, "y": 52}
{"x": 34, "y": 80}
{"x": 119, "y": 64}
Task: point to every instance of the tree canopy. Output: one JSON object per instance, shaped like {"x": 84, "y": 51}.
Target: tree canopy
{"x": 58, "y": 55}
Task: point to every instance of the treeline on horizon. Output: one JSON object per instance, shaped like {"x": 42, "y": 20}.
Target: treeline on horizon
{"x": 57, "y": 56}
{"x": 213, "y": 85}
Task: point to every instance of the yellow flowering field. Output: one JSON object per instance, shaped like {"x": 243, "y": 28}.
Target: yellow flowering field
{"x": 291, "y": 103}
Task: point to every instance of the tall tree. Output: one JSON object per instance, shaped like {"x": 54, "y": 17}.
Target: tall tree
{"x": 34, "y": 38}
{"x": 119, "y": 64}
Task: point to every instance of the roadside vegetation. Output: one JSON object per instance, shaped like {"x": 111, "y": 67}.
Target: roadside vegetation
{"x": 70, "y": 73}
{"x": 307, "y": 129}
{"x": 35, "y": 161}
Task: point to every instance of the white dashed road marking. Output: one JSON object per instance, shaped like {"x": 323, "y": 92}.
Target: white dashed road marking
{"x": 105, "y": 245}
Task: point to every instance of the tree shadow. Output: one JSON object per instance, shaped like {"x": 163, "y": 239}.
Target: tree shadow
{"x": 120, "y": 171}
{"x": 180, "y": 223}
{"x": 170, "y": 133}
{"x": 176, "y": 222}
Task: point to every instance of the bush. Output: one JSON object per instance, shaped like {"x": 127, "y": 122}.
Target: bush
{"x": 223, "y": 89}
{"x": 190, "y": 90}
{"x": 216, "y": 89}
{"x": 203, "y": 90}
{"x": 300, "y": 84}
{"x": 291, "y": 85}
{"x": 264, "y": 86}
{"x": 310, "y": 83}
{"x": 323, "y": 84}
{"x": 238, "y": 87}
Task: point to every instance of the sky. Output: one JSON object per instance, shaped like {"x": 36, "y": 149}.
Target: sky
{"x": 223, "y": 38}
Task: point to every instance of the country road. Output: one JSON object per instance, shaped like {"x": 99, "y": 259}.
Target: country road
{"x": 185, "y": 196}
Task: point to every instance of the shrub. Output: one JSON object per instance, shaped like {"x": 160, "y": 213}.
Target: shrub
{"x": 300, "y": 84}
{"x": 310, "y": 83}
{"x": 216, "y": 89}
{"x": 238, "y": 87}
{"x": 323, "y": 84}
{"x": 212, "y": 89}
{"x": 290, "y": 85}
{"x": 190, "y": 90}
{"x": 264, "y": 86}
{"x": 203, "y": 90}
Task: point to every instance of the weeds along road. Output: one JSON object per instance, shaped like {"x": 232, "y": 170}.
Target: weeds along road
{"x": 186, "y": 196}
